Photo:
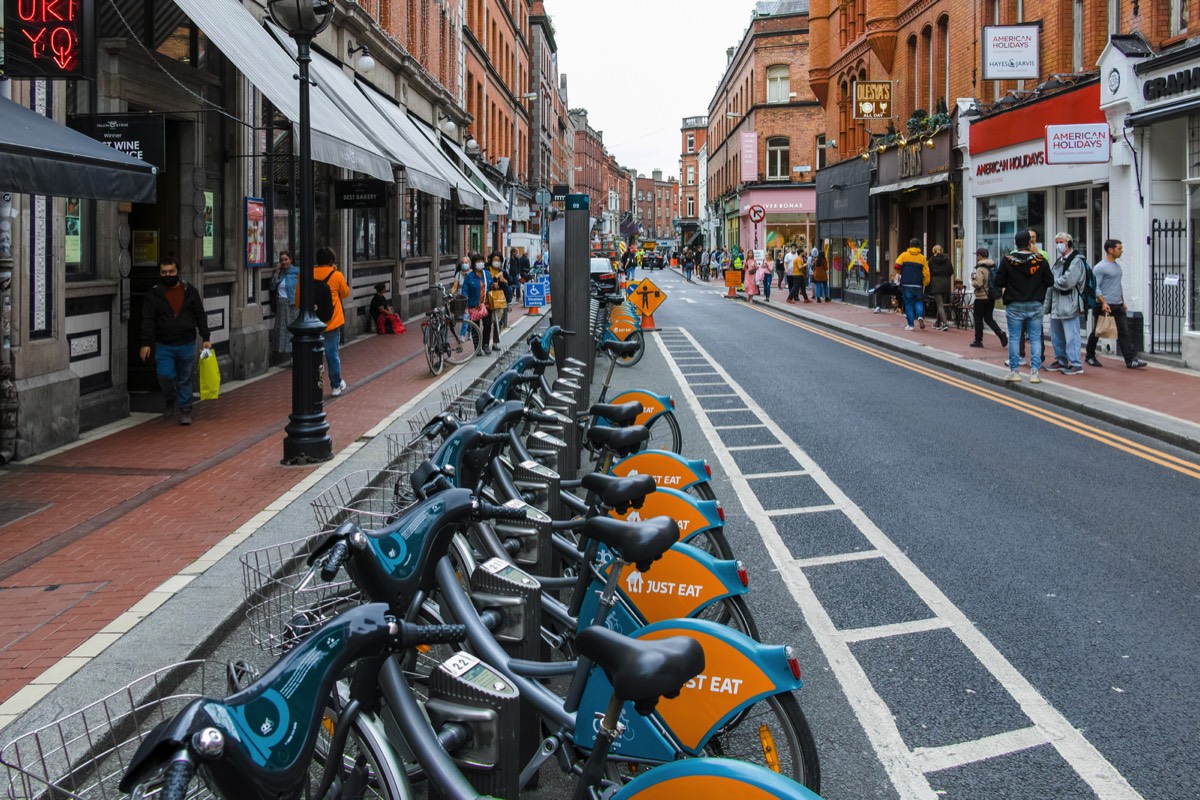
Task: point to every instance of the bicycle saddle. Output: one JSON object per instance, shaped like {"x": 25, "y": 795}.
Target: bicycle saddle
{"x": 641, "y": 543}
{"x": 642, "y": 670}
{"x": 620, "y": 349}
{"x": 619, "y": 493}
{"x": 621, "y": 441}
{"x": 618, "y": 414}
{"x": 612, "y": 299}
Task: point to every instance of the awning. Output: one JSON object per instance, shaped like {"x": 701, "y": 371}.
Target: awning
{"x": 240, "y": 37}
{"x": 911, "y": 183}
{"x": 1162, "y": 113}
{"x": 495, "y": 198}
{"x": 39, "y": 156}
{"x": 427, "y": 141}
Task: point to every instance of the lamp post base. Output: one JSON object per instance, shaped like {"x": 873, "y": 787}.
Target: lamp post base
{"x": 306, "y": 439}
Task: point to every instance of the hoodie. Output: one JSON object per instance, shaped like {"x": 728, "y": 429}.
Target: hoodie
{"x": 1024, "y": 277}
{"x": 913, "y": 268}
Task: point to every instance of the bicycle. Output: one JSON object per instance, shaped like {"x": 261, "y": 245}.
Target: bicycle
{"x": 448, "y": 335}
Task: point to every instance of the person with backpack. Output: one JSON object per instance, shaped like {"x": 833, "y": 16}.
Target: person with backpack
{"x": 914, "y": 277}
{"x": 1024, "y": 276}
{"x": 329, "y": 290}
{"x": 1064, "y": 304}
{"x": 986, "y": 296}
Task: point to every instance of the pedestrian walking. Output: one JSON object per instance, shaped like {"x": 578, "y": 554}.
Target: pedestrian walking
{"x": 941, "y": 278}
{"x": 766, "y": 272}
{"x": 1110, "y": 299}
{"x": 476, "y": 286}
{"x": 497, "y": 298}
{"x": 283, "y": 288}
{"x": 820, "y": 271}
{"x": 628, "y": 263}
{"x": 1064, "y": 304}
{"x": 689, "y": 264}
{"x": 780, "y": 258}
{"x": 985, "y": 298}
{"x": 750, "y": 276}
{"x": 328, "y": 278}
{"x": 172, "y": 314}
{"x": 913, "y": 270}
{"x": 1024, "y": 276}
{"x": 517, "y": 267}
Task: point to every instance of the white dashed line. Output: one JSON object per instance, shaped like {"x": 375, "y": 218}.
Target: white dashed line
{"x": 783, "y": 512}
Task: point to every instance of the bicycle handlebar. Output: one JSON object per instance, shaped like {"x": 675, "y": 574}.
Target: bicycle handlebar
{"x": 486, "y": 511}
{"x": 337, "y": 556}
{"x": 483, "y": 440}
{"x": 178, "y": 776}
{"x": 411, "y": 635}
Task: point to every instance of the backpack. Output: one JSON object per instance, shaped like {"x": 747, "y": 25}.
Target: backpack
{"x": 1088, "y": 292}
{"x": 323, "y": 301}
{"x": 993, "y": 292}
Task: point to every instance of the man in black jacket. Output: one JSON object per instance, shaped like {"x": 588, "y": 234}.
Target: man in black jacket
{"x": 172, "y": 313}
{"x": 1024, "y": 276}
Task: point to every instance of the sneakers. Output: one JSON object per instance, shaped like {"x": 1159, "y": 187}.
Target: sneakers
{"x": 1034, "y": 377}
{"x": 185, "y": 416}
{"x": 1092, "y": 361}
{"x": 1137, "y": 363}
{"x": 976, "y": 344}
{"x": 1055, "y": 366}
{"x": 1073, "y": 371}
{"x": 337, "y": 390}
{"x": 1004, "y": 340}
{"x": 921, "y": 322}
{"x": 878, "y": 310}
{"x": 908, "y": 327}
{"x": 168, "y": 411}
{"x": 1013, "y": 377}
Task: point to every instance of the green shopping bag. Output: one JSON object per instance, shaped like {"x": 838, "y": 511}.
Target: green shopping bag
{"x": 210, "y": 375}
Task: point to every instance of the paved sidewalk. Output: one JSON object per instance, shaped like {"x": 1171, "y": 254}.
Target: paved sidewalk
{"x": 1159, "y": 401}
{"x": 91, "y": 533}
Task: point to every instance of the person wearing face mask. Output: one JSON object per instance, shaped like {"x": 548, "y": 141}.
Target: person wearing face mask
{"x": 283, "y": 289}
{"x": 172, "y": 313}
{"x": 456, "y": 288}
{"x": 1064, "y": 304}
{"x": 475, "y": 287}
{"x": 497, "y": 300}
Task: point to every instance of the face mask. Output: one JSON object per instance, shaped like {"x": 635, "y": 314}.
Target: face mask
{"x": 1061, "y": 248}
{"x": 478, "y": 265}
{"x": 169, "y": 280}
{"x": 464, "y": 266}
{"x": 495, "y": 262}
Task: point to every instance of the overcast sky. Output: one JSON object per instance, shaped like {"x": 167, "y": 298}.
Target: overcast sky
{"x": 640, "y": 66}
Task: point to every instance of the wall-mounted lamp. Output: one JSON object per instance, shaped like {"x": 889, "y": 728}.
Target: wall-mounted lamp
{"x": 731, "y": 115}
{"x": 447, "y": 125}
{"x": 929, "y": 143}
{"x": 529, "y": 96}
{"x": 881, "y": 147}
{"x": 865, "y": 155}
{"x": 365, "y": 62}
{"x": 902, "y": 140}
{"x": 471, "y": 146}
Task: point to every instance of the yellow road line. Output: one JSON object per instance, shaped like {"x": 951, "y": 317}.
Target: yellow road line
{"x": 1113, "y": 440}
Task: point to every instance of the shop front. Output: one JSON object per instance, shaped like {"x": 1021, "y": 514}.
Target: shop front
{"x": 843, "y": 230}
{"x": 790, "y": 218}
{"x": 1154, "y": 100}
{"x": 916, "y": 197}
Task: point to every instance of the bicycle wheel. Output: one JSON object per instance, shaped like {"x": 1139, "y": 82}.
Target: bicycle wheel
{"x": 433, "y": 352}
{"x": 713, "y": 542}
{"x": 732, "y": 612}
{"x": 367, "y": 759}
{"x": 772, "y": 733}
{"x": 702, "y": 490}
{"x": 629, "y": 361}
{"x": 665, "y": 433}
{"x": 462, "y": 339}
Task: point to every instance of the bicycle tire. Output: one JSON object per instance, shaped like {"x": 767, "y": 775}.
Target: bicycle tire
{"x": 433, "y": 353}
{"x": 732, "y": 612}
{"x": 463, "y": 347}
{"x": 714, "y": 542}
{"x": 640, "y": 338}
{"x": 793, "y": 744}
{"x": 702, "y": 490}
{"x": 665, "y": 433}
{"x": 368, "y": 740}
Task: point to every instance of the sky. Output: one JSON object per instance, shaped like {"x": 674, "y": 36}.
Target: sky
{"x": 640, "y": 66}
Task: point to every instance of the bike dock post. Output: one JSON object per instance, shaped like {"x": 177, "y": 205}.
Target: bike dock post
{"x": 571, "y": 277}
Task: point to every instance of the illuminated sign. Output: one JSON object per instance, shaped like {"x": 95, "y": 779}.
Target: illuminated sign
{"x": 47, "y": 38}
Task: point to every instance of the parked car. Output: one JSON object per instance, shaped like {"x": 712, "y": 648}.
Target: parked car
{"x": 603, "y": 273}
{"x": 653, "y": 259}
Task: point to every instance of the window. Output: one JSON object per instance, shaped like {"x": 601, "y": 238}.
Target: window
{"x": 414, "y": 244}
{"x": 370, "y": 234}
{"x": 691, "y": 175}
{"x": 691, "y": 142}
{"x": 1177, "y": 23}
{"x": 914, "y": 70}
{"x": 691, "y": 207}
{"x": 821, "y": 151}
{"x": 778, "y": 161}
{"x": 927, "y": 54}
{"x": 777, "y": 84}
{"x": 78, "y": 221}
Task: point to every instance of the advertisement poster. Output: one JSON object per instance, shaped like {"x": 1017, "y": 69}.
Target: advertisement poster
{"x": 749, "y": 156}
{"x": 74, "y": 239}
{"x": 209, "y": 238}
{"x": 256, "y": 232}
{"x": 145, "y": 248}
{"x": 1010, "y": 52}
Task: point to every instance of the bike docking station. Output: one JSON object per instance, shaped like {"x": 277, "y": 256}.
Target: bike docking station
{"x": 570, "y": 274}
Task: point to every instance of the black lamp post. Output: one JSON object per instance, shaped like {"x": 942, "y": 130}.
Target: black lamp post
{"x": 307, "y": 433}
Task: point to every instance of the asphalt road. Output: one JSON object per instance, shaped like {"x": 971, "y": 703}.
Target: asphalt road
{"x": 1020, "y": 594}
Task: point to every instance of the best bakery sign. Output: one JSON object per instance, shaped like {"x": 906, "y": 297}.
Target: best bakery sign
{"x": 1078, "y": 144}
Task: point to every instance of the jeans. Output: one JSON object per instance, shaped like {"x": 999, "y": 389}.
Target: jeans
{"x": 914, "y": 301}
{"x": 1124, "y": 344}
{"x": 1024, "y": 318}
{"x": 175, "y": 364}
{"x": 687, "y": 271}
{"x": 1064, "y": 336}
{"x": 767, "y": 287}
{"x": 333, "y": 340}
{"x": 821, "y": 290}
{"x": 983, "y": 313}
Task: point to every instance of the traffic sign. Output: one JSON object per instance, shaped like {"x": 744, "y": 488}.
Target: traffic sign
{"x": 542, "y": 197}
{"x": 535, "y": 294}
{"x": 757, "y": 214}
{"x": 648, "y": 297}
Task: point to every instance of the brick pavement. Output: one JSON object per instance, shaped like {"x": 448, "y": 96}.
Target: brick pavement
{"x": 113, "y": 518}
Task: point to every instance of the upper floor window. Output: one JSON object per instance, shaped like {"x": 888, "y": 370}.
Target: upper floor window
{"x": 691, "y": 175}
{"x": 691, "y": 142}
{"x": 1177, "y": 23}
{"x": 821, "y": 147}
{"x": 778, "y": 86}
{"x": 778, "y": 159}
{"x": 691, "y": 207}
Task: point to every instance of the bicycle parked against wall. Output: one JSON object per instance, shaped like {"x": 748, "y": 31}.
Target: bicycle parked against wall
{"x": 448, "y": 335}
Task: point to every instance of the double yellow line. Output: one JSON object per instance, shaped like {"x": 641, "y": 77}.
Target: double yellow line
{"x": 1005, "y": 399}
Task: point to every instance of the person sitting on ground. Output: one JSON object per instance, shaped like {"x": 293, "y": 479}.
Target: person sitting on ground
{"x": 384, "y": 317}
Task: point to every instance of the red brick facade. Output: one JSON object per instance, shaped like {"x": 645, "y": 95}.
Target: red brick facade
{"x": 692, "y": 135}
{"x": 496, "y": 45}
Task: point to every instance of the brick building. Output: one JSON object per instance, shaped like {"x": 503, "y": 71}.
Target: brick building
{"x": 763, "y": 133}
{"x": 552, "y": 139}
{"x": 693, "y": 135}
{"x": 656, "y": 203}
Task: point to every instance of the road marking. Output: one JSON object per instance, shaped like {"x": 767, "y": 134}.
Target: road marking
{"x": 724, "y": 410}
{"x": 935, "y": 759}
{"x": 789, "y": 473}
{"x": 896, "y": 629}
{"x": 783, "y": 512}
{"x": 905, "y": 771}
{"x": 754, "y": 447}
{"x": 1005, "y": 398}
{"x": 840, "y": 558}
{"x": 738, "y": 427}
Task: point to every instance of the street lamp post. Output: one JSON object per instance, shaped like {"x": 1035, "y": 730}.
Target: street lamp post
{"x": 306, "y": 439}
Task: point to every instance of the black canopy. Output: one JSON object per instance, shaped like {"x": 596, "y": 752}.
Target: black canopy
{"x": 39, "y": 156}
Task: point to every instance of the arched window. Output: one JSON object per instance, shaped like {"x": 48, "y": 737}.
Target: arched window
{"x": 779, "y": 163}
{"x": 943, "y": 60}
{"x": 927, "y": 63}
{"x": 778, "y": 86}
{"x": 914, "y": 70}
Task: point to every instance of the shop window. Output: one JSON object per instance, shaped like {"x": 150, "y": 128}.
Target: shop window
{"x": 778, "y": 159}
{"x": 999, "y": 218}
{"x": 445, "y": 227}
{"x": 1076, "y": 200}
{"x": 778, "y": 86}
{"x": 414, "y": 240}
{"x": 371, "y": 237}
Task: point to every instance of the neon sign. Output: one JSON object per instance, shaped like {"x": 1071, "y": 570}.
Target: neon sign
{"x": 47, "y": 38}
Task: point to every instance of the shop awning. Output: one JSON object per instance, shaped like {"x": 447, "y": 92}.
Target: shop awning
{"x": 39, "y": 156}
{"x": 1169, "y": 111}
{"x": 240, "y": 37}
{"x": 912, "y": 183}
{"x": 495, "y": 198}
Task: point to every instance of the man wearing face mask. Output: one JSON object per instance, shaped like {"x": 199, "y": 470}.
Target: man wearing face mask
{"x": 172, "y": 313}
{"x": 1064, "y": 304}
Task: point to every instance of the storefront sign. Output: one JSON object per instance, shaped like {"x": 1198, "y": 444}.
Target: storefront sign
{"x": 1023, "y": 168}
{"x": 910, "y": 160}
{"x": 914, "y": 160}
{"x": 470, "y": 216}
{"x": 873, "y": 100}
{"x": 1010, "y": 164}
{"x": 520, "y": 212}
{"x": 788, "y": 201}
{"x": 1176, "y": 83}
{"x": 1078, "y": 144}
{"x": 143, "y": 136}
{"x": 256, "y": 232}
{"x": 365, "y": 193}
{"x": 145, "y": 248}
{"x": 1010, "y": 52}
{"x": 749, "y": 153}
{"x": 47, "y": 38}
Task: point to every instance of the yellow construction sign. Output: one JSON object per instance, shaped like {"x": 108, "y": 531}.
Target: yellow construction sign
{"x": 647, "y": 297}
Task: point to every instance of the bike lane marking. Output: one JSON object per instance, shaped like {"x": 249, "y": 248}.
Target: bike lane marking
{"x": 907, "y": 770}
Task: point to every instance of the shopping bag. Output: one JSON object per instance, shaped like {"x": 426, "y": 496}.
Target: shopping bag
{"x": 210, "y": 375}
{"x": 1106, "y": 327}
{"x": 496, "y": 299}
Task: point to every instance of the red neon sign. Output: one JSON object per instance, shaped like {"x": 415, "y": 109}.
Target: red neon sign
{"x": 46, "y": 38}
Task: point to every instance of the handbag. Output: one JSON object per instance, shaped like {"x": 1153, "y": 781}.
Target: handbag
{"x": 496, "y": 299}
{"x": 477, "y": 313}
{"x": 1106, "y": 327}
{"x": 210, "y": 375}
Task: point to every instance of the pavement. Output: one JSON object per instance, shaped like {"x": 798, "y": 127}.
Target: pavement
{"x": 110, "y": 546}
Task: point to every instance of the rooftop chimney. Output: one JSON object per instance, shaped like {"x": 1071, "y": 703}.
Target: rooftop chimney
{"x": 729, "y": 55}
{"x": 657, "y": 174}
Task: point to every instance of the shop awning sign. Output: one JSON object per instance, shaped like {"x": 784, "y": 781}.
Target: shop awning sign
{"x": 1089, "y": 143}
{"x": 873, "y": 100}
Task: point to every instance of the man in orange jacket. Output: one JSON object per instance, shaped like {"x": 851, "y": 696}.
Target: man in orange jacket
{"x": 327, "y": 278}
{"x": 914, "y": 277}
